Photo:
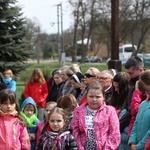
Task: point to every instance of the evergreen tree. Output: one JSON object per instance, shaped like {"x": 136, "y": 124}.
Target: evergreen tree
{"x": 13, "y": 53}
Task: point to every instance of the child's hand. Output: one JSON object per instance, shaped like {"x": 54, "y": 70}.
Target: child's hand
{"x": 32, "y": 136}
{"x": 133, "y": 146}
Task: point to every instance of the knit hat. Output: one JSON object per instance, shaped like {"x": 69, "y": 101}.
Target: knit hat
{"x": 78, "y": 76}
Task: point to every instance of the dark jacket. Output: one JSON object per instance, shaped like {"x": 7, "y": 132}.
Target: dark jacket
{"x": 108, "y": 94}
{"x": 65, "y": 141}
{"x": 55, "y": 92}
{"x": 125, "y": 120}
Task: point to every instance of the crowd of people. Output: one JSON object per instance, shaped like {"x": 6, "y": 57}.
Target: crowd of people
{"x": 98, "y": 109}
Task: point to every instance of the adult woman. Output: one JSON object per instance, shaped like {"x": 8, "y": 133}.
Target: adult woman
{"x": 55, "y": 91}
{"x": 120, "y": 80}
{"x": 90, "y": 76}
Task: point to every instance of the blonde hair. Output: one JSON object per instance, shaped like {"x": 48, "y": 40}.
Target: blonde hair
{"x": 75, "y": 68}
{"x": 8, "y": 71}
{"x": 40, "y": 74}
{"x": 51, "y": 103}
{"x": 94, "y": 71}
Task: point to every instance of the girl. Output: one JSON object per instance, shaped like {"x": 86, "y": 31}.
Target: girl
{"x": 37, "y": 89}
{"x": 68, "y": 103}
{"x": 13, "y": 133}
{"x": 11, "y": 84}
{"x": 141, "y": 128}
{"x": 55, "y": 136}
{"x": 48, "y": 107}
{"x": 95, "y": 125}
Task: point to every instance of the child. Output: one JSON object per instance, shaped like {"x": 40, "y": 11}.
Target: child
{"x": 95, "y": 125}
{"x": 68, "y": 103}
{"x": 29, "y": 113}
{"x": 48, "y": 107}
{"x": 13, "y": 133}
{"x": 141, "y": 127}
{"x": 38, "y": 90}
{"x": 55, "y": 134}
{"x": 11, "y": 84}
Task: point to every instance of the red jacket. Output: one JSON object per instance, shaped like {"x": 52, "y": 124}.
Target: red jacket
{"x": 147, "y": 146}
{"x": 37, "y": 92}
{"x": 137, "y": 98}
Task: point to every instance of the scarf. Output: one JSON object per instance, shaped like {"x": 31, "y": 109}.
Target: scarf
{"x": 30, "y": 121}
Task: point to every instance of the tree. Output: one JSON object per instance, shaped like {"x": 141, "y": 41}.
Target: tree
{"x": 13, "y": 53}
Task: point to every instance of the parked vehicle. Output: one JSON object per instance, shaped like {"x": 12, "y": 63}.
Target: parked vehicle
{"x": 125, "y": 51}
{"x": 146, "y": 59}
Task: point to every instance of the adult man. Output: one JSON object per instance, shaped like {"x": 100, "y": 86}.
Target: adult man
{"x": 105, "y": 78}
{"x": 134, "y": 67}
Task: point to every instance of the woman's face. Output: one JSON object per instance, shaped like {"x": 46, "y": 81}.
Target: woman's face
{"x": 116, "y": 86}
{"x": 89, "y": 78}
{"x": 57, "y": 78}
{"x": 75, "y": 84}
{"x": 95, "y": 98}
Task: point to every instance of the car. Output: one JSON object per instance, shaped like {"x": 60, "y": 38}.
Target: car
{"x": 95, "y": 59}
{"x": 68, "y": 59}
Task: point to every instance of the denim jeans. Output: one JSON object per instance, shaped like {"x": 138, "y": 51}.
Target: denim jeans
{"x": 41, "y": 113}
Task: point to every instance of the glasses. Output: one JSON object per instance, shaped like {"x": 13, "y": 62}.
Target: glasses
{"x": 87, "y": 75}
{"x": 103, "y": 78}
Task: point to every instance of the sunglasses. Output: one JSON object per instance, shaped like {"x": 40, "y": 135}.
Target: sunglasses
{"x": 87, "y": 75}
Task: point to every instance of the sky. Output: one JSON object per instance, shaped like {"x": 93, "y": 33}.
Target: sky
{"x": 44, "y": 12}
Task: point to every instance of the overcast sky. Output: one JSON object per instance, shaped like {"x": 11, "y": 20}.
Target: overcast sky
{"x": 45, "y": 11}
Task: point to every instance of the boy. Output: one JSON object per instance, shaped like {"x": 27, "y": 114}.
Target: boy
{"x": 29, "y": 113}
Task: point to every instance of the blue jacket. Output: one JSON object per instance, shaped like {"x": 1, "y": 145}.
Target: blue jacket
{"x": 141, "y": 128}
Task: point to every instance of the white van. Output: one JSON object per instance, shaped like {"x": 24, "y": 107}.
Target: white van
{"x": 125, "y": 51}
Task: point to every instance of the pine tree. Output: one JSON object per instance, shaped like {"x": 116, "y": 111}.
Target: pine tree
{"x": 13, "y": 53}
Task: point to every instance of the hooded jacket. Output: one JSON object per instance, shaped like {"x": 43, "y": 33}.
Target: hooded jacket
{"x": 32, "y": 121}
{"x": 13, "y": 135}
{"x": 106, "y": 127}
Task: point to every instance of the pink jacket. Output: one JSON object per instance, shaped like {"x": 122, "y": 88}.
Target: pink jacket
{"x": 13, "y": 135}
{"x": 39, "y": 130}
{"x": 106, "y": 127}
{"x": 137, "y": 98}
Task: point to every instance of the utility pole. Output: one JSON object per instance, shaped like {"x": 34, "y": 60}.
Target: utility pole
{"x": 58, "y": 39}
{"x": 62, "y": 39}
{"x": 114, "y": 63}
